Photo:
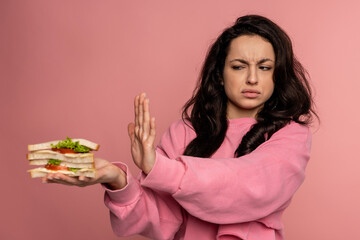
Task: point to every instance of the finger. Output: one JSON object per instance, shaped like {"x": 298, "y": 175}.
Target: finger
{"x": 54, "y": 178}
{"x": 44, "y": 180}
{"x": 137, "y": 132}
{"x": 136, "y": 110}
{"x": 58, "y": 177}
{"x": 146, "y": 123}
{"x": 140, "y": 112}
{"x": 84, "y": 179}
{"x": 50, "y": 177}
{"x": 59, "y": 182}
{"x": 131, "y": 131}
{"x": 64, "y": 179}
{"x": 152, "y": 130}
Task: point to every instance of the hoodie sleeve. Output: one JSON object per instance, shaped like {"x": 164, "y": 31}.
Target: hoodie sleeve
{"x": 234, "y": 190}
{"x": 139, "y": 210}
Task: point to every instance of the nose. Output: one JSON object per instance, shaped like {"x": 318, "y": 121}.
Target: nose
{"x": 252, "y": 77}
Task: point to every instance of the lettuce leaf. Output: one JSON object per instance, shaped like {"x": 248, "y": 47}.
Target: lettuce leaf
{"x": 69, "y": 144}
{"x": 73, "y": 169}
{"x": 54, "y": 162}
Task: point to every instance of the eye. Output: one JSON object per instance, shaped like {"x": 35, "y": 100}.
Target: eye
{"x": 265, "y": 68}
{"x": 237, "y": 67}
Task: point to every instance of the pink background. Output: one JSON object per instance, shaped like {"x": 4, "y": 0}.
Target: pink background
{"x": 72, "y": 68}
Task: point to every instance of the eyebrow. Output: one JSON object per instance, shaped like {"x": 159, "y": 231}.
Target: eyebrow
{"x": 246, "y": 62}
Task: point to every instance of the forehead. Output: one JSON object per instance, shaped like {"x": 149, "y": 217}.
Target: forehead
{"x": 251, "y": 48}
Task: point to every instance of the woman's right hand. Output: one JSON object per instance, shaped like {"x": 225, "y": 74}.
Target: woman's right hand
{"x": 142, "y": 134}
{"x": 106, "y": 173}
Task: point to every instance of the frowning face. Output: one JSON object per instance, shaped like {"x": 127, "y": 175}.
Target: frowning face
{"x": 248, "y": 75}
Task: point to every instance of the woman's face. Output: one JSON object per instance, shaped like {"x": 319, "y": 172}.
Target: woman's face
{"x": 248, "y": 75}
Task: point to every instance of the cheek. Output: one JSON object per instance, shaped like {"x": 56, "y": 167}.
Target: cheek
{"x": 269, "y": 84}
{"x": 230, "y": 87}
{"x": 232, "y": 80}
{"x": 227, "y": 83}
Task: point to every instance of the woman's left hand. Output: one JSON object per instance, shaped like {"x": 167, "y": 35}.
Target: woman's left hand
{"x": 142, "y": 135}
{"x": 106, "y": 173}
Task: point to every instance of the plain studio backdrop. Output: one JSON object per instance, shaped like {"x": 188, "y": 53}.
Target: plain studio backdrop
{"x": 72, "y": 68}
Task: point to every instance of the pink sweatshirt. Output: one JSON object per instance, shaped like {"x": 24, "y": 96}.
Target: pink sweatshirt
{"x": 221, "y": 197}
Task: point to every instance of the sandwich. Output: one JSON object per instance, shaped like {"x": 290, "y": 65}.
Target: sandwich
{"x": 72, "y": 157}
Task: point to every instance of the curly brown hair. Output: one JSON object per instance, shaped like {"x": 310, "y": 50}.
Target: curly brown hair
{"x": 290, "y": 101}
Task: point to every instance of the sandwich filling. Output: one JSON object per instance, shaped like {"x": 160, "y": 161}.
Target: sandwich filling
{"x": 54, "y": 165}
{"x": 70, "y": 157}
{"x": 65, "y": 146}
{"x": 68, "y": 146}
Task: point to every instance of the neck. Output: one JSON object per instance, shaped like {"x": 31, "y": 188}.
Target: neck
{"x": 243, "y": 113}
{"x": 234, "y": 112}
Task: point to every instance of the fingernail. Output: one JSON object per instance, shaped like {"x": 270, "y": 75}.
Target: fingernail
{"x": 56, "y": 177}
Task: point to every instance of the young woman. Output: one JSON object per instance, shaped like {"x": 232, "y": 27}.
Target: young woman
{"x": 230, "y": 167}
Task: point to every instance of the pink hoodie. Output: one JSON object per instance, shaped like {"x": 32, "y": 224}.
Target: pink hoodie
{"x": 221, "y": 197}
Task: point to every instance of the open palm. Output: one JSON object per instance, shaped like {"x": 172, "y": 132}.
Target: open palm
{"x": 142, "y": 135}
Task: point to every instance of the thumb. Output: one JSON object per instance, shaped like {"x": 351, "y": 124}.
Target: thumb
{"x": 131, "y": 131}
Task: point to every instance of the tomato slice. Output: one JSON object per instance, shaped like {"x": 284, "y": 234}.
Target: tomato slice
{"x": 56, "y": 167}
{"x": 63, "y": 150}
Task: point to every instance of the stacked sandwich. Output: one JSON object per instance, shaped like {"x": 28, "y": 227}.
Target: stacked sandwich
{"x": 71, "y": 157}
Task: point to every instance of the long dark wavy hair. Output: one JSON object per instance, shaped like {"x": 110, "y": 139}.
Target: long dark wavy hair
{"x": 290, "y": 101}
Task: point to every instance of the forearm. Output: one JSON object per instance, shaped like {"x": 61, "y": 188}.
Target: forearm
{"x": 253, "y": 186}
{"x": 214, "y": 196}
{"x": 137, "y": 210}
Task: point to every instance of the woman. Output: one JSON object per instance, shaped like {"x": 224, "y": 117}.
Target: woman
{"x": 229, "y": 169}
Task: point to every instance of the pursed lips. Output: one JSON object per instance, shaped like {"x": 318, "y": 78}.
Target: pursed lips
{"x": 250, "y": 93}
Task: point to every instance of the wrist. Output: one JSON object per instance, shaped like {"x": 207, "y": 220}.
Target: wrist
{"x": 119, "y": 181}
{"x": 149, "y": 164}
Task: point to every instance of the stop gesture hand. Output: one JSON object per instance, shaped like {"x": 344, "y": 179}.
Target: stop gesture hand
{"x": 142, "y": 135}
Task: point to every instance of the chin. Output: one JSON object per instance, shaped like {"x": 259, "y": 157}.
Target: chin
{"x": 254, "y": 109}
{"x": 251, "y": 107}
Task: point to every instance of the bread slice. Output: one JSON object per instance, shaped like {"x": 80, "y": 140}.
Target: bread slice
{"x": 68, "y": 157}
{"x": 42, "y": 172}
{"x": 47, "y": 145}
{"x": 63, "y": 163}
